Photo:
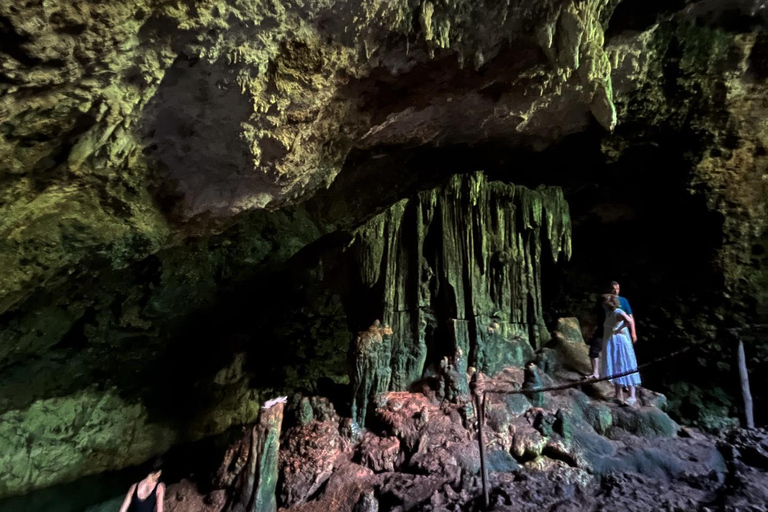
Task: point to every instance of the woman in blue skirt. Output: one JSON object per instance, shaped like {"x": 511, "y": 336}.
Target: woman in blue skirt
{"x": 618, "y": 353}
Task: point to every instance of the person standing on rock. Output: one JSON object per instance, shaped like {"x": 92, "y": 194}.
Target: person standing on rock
{"x": 596, "y": 341}
{"x": 145, "y": 496}
{"x": 618, "y": 352}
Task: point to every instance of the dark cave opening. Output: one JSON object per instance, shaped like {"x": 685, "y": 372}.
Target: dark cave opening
{"x": 635, "y": 220}
{"x": 639, "y": 14}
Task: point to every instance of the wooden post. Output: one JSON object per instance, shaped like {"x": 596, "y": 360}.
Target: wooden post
{"x": 480, "y": 400}
{"x": 746, "y": 394}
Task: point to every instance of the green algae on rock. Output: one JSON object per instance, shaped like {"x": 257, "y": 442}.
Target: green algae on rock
{"x": 60, "y": 439}
{"x": 256, "y": 482}
{"x": 369, "y": 360}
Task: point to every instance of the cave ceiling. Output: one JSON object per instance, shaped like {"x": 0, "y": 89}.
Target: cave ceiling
{"x": 120, "y": 123}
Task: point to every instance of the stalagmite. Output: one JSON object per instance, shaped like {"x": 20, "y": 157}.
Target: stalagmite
{"x": 256, "y": 481}
{"x": 370, "y": 374}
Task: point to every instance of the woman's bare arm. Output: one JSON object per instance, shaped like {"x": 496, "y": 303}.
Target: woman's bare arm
{"x": 160, "y": 497}
{"x": 127, "y": 500}
{"x": 631, "y": 321}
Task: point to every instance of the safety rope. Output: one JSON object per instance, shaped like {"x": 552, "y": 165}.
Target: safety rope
{"x": 590, "y": 381}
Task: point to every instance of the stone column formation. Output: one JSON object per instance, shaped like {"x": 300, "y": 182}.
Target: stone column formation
{"x": 256, "y": 481}
{"x": 370, "y": 374}
{"x": 459, "y": 267}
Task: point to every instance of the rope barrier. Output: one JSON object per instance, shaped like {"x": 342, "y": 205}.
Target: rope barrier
{"x": 479, "y": 399}
{"x": 589, "y": 381}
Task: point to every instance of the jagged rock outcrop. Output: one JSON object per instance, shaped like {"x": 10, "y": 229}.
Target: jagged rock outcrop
{"x": 425, "y": 455}
{"x": 256, "y": 470}
{"x": 557, "y": 456}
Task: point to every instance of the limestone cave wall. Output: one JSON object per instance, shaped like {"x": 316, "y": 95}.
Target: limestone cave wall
{"x": 171, "y": 173}
{"x": 461, "y": 263}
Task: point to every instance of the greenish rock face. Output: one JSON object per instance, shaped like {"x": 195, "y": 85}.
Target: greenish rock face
{"x": 369, "y": 360}
{"x": 305, "y": 414}
{"x": 109, "y": 373}
{"x": 498, "y": 352}
{"x": 155, "y": 155}
{"x": 265, "y": 495}
{"x": 516, "y": 404}
{"x": 459, "y": 267}
{"x": 54, "y": 439}
{"x": 647, "y": 422}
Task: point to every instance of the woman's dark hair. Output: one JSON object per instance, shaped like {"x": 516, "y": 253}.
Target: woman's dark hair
{"x": 611, "y": 301}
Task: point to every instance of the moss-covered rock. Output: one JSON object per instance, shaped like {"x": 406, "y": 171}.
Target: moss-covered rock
{"x": 60, "y": 439}
{"x": 644, "y": 422}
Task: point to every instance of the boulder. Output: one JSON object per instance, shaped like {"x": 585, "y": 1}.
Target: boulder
{"x": 643, "y": 421}
{"x": 572, "y": 352}
{"x": 650, "y": 398}
{"x": 527, "y": 444}
{"x": 380, "y": 453}
{"x": 309, "y": 457}
{"x": 349, "y": 489}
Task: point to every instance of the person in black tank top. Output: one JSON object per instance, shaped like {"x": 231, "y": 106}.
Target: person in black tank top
{"x": 145, "y": 496}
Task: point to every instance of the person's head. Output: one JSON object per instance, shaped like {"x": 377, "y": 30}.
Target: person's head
{"x": 611, "y": 301}
{"x": 615, "y": 287}
{"x": 155, "y": 475}
{"x": 157, "y": 470}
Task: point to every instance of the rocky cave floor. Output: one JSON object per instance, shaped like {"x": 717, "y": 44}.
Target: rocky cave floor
{"x": 579, "y": 451}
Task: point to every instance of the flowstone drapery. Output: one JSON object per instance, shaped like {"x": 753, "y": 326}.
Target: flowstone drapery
{"x": 459, "y": 267}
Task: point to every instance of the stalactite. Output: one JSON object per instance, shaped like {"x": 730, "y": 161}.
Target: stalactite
{"x": 459, "y": 267}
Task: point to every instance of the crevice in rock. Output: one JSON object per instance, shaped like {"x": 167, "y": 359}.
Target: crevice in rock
{"x": 758, "y": 57}
{"x": 639, "y": 15}
{"x": 13, "y": 43}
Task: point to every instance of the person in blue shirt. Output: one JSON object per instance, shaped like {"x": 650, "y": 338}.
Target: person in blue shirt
{"x": 596, "y": 341}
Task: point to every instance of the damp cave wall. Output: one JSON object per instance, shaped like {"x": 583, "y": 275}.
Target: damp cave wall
{"x": 459, "y": 268}
{"x": 118, "y": 310}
